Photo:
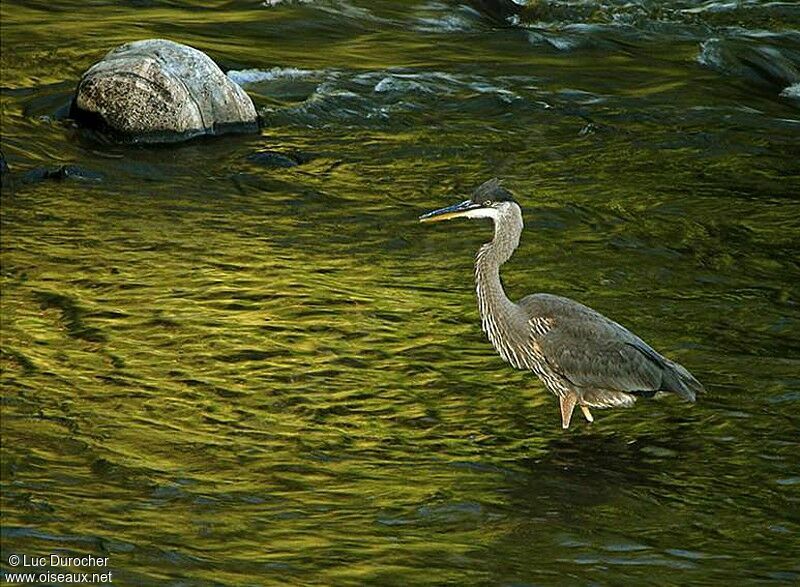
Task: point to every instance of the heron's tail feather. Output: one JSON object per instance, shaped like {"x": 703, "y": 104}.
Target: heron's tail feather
{"x": 678, "y": 379}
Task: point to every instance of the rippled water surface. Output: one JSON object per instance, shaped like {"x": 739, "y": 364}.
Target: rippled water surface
{"x": 217, "y": 369}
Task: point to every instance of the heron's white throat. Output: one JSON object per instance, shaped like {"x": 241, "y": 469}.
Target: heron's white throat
{"x": 492, "y": 213}
{"x": 495, "y": 212}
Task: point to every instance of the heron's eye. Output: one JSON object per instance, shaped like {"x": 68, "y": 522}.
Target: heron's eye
{"x": 487, "y": 203}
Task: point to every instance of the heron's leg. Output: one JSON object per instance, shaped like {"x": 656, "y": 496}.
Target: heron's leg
{"x": 568, "y": 402}
{"x": 587, "y": 414}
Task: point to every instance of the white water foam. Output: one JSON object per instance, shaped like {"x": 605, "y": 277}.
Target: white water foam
{"x": 254, "y": 76}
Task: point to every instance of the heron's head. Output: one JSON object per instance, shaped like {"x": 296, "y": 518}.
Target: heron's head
{"x": 489, "y": 200}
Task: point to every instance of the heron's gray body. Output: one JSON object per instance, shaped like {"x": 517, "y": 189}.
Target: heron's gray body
{"x": 581, "y": 356}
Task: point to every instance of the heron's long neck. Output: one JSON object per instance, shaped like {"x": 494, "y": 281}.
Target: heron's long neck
{"x": 494, "y": 306}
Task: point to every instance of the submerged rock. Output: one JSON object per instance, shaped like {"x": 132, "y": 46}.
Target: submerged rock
{"x": 160, "y": 91}
{"x": 753, "y": 60}
{"x": 276, "y": 159}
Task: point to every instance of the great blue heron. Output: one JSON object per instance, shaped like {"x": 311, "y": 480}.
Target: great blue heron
{"x": 581, "y": 356}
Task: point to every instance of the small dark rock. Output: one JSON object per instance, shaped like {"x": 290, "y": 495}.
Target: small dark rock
{"x": 62, "y": 173}
{"x": 497, "y": 10}
{"x": 73, "y": 172}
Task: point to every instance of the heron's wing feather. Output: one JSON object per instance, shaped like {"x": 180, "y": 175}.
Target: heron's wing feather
{"x": 592, "y": 351}
{"x": 602, "y": 363}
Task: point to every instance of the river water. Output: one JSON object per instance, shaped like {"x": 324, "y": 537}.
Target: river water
{"x": 221, "y": 370}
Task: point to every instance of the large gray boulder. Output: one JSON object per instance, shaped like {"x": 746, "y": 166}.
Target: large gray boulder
{"x": 160, "y": 91}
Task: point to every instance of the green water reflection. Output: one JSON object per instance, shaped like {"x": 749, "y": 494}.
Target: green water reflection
{"x": 215, "y": 372}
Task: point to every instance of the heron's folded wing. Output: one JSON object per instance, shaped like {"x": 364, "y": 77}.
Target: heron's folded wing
{"x": 601, "y": 355}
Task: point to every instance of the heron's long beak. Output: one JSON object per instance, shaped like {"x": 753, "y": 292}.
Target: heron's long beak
{"x": 453, "y": 211}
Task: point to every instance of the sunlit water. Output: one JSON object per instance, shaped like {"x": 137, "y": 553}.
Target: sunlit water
{"x": 220, "y": 371}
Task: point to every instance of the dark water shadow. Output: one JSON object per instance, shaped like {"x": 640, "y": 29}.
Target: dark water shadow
{"x": 586, "y": 470}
